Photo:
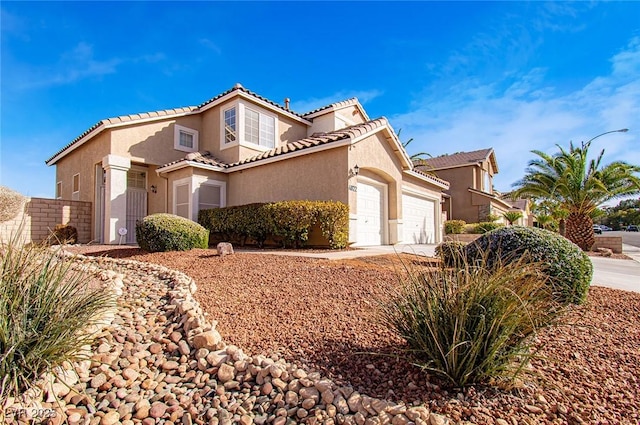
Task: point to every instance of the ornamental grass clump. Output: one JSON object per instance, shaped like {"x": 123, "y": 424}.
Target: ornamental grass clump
{"x": 46, "y": 311}
{"x": 470, "y": 324}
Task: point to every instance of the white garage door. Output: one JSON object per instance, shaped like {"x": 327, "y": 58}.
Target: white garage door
{"x": 369, "y": 227}
{"x": 418, "y": 220}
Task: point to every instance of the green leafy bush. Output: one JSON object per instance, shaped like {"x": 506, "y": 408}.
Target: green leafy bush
{"x": 471, "y": 324}
{"x": 290, "y": 222}
{"x": 11, "y": 203}
{"x": 568, "y": 268}
{"x": 46, "y": 310}
{"x": 454, "y": 227}
{"x": 334, "y": 222}
{"x": 451, "y": 252}
{"x": 168, "y": 232}
{"x": 483, "y": 227}
{"x": 63, "y": 234}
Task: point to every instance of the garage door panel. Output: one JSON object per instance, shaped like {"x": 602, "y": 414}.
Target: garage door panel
{"x": 418, "y": 220}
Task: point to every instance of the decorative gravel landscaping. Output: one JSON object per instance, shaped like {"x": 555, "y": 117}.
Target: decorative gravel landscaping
{"x": 320, "y": 315}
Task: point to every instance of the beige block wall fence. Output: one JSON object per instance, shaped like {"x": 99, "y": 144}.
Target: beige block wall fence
{"x": 40, "y": 216}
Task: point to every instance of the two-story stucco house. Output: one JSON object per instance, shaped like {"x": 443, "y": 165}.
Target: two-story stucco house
{"x": 471, "y": 196}
{"x": 238, "y": 148}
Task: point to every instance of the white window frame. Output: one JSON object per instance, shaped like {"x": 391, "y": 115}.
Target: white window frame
{"x": 176, "y": 138}
{"x": 194, "y": 183}
{"x": 75, "y": 194}
{"x": 59, "y": 190}
{"x": 241, "y": 114}
{"x": 174, "y": 203}
{"x": 223, "y": 119}
{"x": 201, "y": 181}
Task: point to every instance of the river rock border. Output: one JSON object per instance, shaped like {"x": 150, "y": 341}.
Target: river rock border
{"x": 160, "y": 360}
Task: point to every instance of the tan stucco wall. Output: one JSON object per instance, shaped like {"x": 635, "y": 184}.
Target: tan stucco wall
{"x": 322, "y": 124}
{"x": 288, "y": 130}
{"x": 350, "y": 114}
{"x": 460, "y": 180}
{"x": 153, "y": 142}
{"x": 82, "y": 160}
{"x": 321, "y": 176}
{"x": 374, "y": 155}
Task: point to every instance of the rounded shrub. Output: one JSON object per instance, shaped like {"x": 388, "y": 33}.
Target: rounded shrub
{"x": 568, "y": 269}
{"x": 454, "y": 227}
{"x": 451, "y": 252}
{"x": 168, "y": 232}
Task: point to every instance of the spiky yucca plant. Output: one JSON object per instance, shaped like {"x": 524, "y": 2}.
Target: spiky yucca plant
{"x": 469, "y": 324}
{"x": 45, "y": 310}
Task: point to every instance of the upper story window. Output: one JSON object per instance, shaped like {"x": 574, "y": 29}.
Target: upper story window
{"x": 230, "y": 125}
{"x": 59, "y": 190}
{"x": 259, "y": 128}
{"x": 185, "y": 139}
{"x": 248, "y": 125}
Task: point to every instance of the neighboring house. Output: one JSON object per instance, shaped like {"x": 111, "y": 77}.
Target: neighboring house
{"x": 238, "y": 148}
{"x": 471, "y": 196}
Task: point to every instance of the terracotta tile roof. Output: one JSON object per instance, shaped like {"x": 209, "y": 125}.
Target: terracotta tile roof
{"x": 350, "y": 101}
{"x": 201, "y": 158}
{"x": 124, "y": 119}
{"x": 432, "y": 177}
{"x": 316, "y": 139}
{"x": 239, "y": 87}
{"x": 454, "y": 160}
{"x": 166, "y": 113}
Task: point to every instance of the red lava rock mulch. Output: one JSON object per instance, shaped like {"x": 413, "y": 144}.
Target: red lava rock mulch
{"x": 322, "y": 314}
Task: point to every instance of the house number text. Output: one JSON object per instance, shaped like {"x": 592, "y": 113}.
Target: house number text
{"x": 353, "y": 188}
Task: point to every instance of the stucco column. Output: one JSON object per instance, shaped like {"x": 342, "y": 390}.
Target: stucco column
{"x": 115, "y": 204}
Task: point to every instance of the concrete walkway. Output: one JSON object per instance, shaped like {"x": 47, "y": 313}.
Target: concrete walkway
{"x": 607, "y": 272}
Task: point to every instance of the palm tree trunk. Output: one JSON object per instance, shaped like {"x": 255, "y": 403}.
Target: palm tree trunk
{"x": 580, "y": 230}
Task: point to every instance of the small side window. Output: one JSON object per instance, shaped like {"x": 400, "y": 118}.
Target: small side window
{"x": 75, "y": 195}
{"x": 59, "y": 190}
{"x": 185, "y": 139}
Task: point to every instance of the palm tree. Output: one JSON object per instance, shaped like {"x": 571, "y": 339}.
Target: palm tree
{"x": 512, "y": 216}
{"x": 544, "y": 220}
{"x": 577, "y": 185}
{"x": 416, "y": 156}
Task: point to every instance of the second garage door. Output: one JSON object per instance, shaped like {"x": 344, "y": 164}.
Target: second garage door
{"x": 418, "y": 220}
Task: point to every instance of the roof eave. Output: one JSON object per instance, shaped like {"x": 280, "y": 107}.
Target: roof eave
{"x": 185, "y": 164}
{"x": 240, "y": 93}
{"x": 433, "y": 180}
{"x": 73, "y": 146}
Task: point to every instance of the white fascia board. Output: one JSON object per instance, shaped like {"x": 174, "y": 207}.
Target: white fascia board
{"x": 307, "y": 151}
{"x": 427, "y": 179}
{"x": 185, "y": 164}
{"x": 261, "y": 102}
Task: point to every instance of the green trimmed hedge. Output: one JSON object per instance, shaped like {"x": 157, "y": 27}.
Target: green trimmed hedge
{"x": 288, "y": 222}
{"x": 569, "y": 270}
{"x": 454, "y": 227}
{"x": 168, "y": 232}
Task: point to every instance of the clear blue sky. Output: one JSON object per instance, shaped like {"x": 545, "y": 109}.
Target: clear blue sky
{"x": 454, "y": 76}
